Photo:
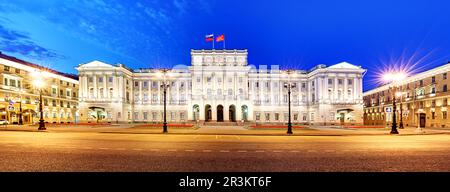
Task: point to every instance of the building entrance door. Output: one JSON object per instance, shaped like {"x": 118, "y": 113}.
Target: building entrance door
{"x": 219, "y": 113}
{"x": 208, "y": 113}
{"x": 342, "y": 118}
{"x": 422, "y": 119}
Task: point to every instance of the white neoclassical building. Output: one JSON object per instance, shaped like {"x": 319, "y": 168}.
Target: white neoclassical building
{"x": 220, "y": 86}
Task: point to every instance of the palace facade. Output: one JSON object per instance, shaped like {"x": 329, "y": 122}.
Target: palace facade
{"x": 20, "y": 98}
{"x": 220, "y": 86}
{"x": 423, "y": 99}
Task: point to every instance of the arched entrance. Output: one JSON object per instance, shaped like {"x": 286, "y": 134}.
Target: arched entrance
{"x": 208, "y": 113}
{"x": 232, "y": 113}
{"x": 196, "y": 111}
{"x": 97, "y": 113}
{"x": 219, "y": 113}
{"x": 244, "y": 110}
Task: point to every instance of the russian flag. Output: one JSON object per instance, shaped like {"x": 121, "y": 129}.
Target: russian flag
{"x": 209, "y": 38}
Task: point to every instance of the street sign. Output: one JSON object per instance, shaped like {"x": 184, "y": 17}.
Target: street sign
{"x": 388, "y": 109}
{"x": 11, "y": 108}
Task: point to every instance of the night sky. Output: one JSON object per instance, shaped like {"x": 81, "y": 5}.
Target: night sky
{"x": 291, "y": 33}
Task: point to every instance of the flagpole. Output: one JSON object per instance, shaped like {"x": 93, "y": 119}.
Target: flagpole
{"x": 224, "y": 42}
{"x": 213, "y": 40}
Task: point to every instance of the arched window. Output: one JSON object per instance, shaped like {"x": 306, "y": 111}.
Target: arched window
{"x": 111, "y": 91}
{"x": 91, "y": 92}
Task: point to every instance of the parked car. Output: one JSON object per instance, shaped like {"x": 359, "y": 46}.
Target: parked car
{"x": 4, "y": 122}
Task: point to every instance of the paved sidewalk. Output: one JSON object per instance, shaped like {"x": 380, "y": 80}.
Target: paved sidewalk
{"x": 222, "y": 130}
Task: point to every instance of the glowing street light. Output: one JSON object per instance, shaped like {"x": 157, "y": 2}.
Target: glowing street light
{"x": 39, "y": 83}
{"x": 289, "y": 85}
{"x": 395, "y": 78}
{"x": 165, "y": 85}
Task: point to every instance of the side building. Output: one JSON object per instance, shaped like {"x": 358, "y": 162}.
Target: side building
{"x": 422, "y": 99}
{"x": 220, "y": 86}
{"x": 19, "y": 98}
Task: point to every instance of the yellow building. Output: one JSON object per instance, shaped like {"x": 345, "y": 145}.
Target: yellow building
{"x": 19, "y": 96}
{"x": 422, "y": 100}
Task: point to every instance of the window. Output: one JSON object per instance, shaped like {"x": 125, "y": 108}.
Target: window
{"x": 267, "y": 116}
{"x": 68, "y": 93}
{"x": 350, "y": 81}
{"x": 61, "y": 103}
{"x": 219, "y": 91}
{"x": 54, "y": 91}
{"x": 444, "y": 88}
{"x": 340, "y": 81}
{"x": 433, "y": 103}
{"x": 277, "y": 116}
{"x": 304, "y": 117}
{"x": 444, "y": 76}
{"x": 61, "y": 92}
{"x": 295, "y": 117}
{"x": 6, "y": 68}
{"x": 145, "y": 97}
{"x": 330, "y": 81}
{"x": 349, "y": 93}
{"x": 136, "y": 83}
{"x": 91, "y": 79}
{"x": 433, "y": 79}
{"x": 240, "y": 79}
{"x": 110, "y": 92}
{"x": 12, "y": 82}
{"x": 54, "y": 103}
{"x": 198, "y": 79}
{"x": 182, "y": 116}
{"x": 258, "y": 116}
{"x": 100, "y": 79}
{"x": 17, "y": 71}
{"x": 312, "y": 116}
{"x": 209, "y": 92}
{"x": 6, "y": 81}
{"x": 332, "y": 116}
{"x": 135, "y": 115}
{"x": 91, "y": 92}
{"x": 432, "y": 115}
{"x": 444, "y": 114}
{"x": 444, "y": 102}
{"x": 230, "y": 92}
{"x": 256, "y": 84}
{"x": 208, "y": 79}
{"x": 219, "y": 80}
{"x": 421, "y": 82}
{"x": 433, "y": 90}
{"x": 230, "y": 80}
{"x": 110, "y": 79}
{"x": 145, "y": 115}
{"x": 101, "y": 92}
{"x": 145, "y": 83}
{"x": 303, "y": 85}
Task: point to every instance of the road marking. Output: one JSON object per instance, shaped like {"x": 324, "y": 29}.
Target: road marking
{"x": 277, "y": 151}
{"x": 260, "y": 151}
{"x": 154, "y": 149}
{"x": 103, "y": 148}
{"x": 189, "y": 150}
{"x": 136, "y": 149}
{"x": 329, "y": 151}
{"x": 312, "y": 151}
{"x": 207, "y": 151}
{"x": 242, "y": 151}
{"x": 171, "y": 150}
{"x": 224, "y": 151}
{"x": 294, "y": 151}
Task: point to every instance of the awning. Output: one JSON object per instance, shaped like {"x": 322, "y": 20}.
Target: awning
{"x": 344, "y": 110}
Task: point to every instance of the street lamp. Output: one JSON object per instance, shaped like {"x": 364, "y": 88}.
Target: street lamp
{"x": 164, "y": 86}
{"x": 289, "y": 85}
{"x": 395, "y": 79}
{"x": 39, "y": 83}
{"x": 20, "y": 108}
{"x": 400, "y": 94}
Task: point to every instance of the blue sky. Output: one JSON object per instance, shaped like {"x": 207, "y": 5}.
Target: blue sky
{"x": 292, "y": 33}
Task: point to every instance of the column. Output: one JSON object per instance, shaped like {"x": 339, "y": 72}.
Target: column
{"x": 325, "y": 88}
{"x": 355, "y": 90}
{"x": 319, "y": 89}
{"x": 335, "y": 88}
{"x": 105, "y": 87}
{"x": 85, "y": 86}
{"x": 121, "y": 88}
{"x": 345, "y": 92}
{"x": 159, "y": 92}
{"x": 140, "y": 92}
{"x": 94, "y": 77}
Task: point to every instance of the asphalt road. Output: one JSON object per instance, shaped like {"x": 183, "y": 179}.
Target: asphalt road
{"x": 65, "y": 151}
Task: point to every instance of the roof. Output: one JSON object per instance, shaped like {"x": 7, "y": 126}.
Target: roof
{"x": 13, "y": 59}
{"x": 95, "y": 64}
{"x": 344, "y": 65}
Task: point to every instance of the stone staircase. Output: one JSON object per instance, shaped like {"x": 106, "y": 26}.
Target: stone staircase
{"x": 211, "y": 123}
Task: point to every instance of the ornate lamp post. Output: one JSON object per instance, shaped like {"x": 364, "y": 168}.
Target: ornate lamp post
{"x": 401, "y": 109}
{"x": 20, "y": 109}
{"x": 39, "y": 83}
{"x": 289, "y": 85}
{"x": 164, "y": 86}
{"x": 395, "y": 79}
